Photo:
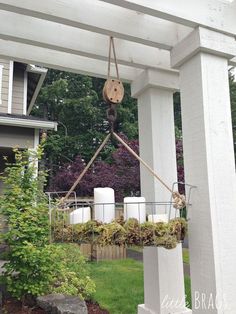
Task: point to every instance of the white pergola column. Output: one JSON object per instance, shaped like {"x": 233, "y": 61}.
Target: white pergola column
{"x": 154, "y": 91}
{"x": 163, "y": 269}
{"x": 209, "y": 164}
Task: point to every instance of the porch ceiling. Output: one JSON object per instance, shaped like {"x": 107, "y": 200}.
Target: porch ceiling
{"x": 73, "y": 35}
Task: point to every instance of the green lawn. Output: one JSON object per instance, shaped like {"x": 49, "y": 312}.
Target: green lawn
{"x": 186, "y": 256}
{"x": 119, "y": 285}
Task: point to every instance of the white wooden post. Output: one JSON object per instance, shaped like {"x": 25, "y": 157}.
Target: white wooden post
{"x": 154, "y": 91}
{"x": 163, "y": 282}
{"x": 210, "y": 165}
{"x": 163, "y": 269}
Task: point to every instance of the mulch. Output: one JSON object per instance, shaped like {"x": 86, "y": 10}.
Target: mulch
{"x": 94, "y": 308}
{"x": 12, "y": 306}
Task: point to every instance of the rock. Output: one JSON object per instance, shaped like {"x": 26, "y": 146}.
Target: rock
{"x": 62, "y": 304}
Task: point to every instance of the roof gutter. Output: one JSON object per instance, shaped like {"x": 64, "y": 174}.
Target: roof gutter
{"x": 28, "y": 123}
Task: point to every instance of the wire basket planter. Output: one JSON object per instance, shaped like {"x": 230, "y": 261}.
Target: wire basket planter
{"x": 161, "y": 225}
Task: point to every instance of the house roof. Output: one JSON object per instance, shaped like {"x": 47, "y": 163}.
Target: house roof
{"x": 27, "y": 122}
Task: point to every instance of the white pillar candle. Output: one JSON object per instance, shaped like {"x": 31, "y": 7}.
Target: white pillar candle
{"x": 80, "y": 215}
{"x": 135, "y": 207}
{"x": 104, "y": 208}
{"x": 158, "y": 218}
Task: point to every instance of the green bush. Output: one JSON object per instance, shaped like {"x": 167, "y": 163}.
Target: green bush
{"x": 73, "y": 277}
{"x": 34, "y": 266}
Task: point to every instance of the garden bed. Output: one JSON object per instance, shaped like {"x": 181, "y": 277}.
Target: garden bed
{"x": 12, "y": 306}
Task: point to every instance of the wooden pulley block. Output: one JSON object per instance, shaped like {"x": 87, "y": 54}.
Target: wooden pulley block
{"x": 113, "y": 91}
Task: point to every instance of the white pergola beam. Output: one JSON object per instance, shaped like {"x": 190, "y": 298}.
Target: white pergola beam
{"x": 233, "y": 62}
{"x": 65, "y": 38}
{"x": 205, "y": 40}
{"x": 62, "y": 61}
{"x": 103, "y": 18}
{"x": 218, "y": 15}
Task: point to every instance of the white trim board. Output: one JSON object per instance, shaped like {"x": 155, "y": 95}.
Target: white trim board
{"x": 25, "y": 92}
{"x": 10, "y": 86}
{"x": 1, "y": 73}
{"x": 36, "y": 138}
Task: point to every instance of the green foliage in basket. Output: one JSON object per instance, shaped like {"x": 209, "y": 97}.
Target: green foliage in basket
{"x": 167, "y": 241}
{"x": 124, "y": 233}
{"x": 178, "y": 228}
{"x": 133, "y": 232}
{"x": 89, "y": 232}
{"x": 152, "y": 231}
{"x": 111, "y": 234}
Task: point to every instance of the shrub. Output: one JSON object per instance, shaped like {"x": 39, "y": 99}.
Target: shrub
{"x": 31, "y": 269}
{"x": 34, "y": 266}
{"x": 73, "y": 275}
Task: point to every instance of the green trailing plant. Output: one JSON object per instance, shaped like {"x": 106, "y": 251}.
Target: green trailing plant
{"x": 167, "y": 241}
{"x": 111, "y": 234}
{"x": 178, "y": 228}
{"x": 34, "y": 266}
{"x": 133, "y": 232}
{"x": 123, "y": 233}
{"x": 89, "y": 231}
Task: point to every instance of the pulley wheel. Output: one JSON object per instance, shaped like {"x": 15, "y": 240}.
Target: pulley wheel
{"x": 113, "y": 91}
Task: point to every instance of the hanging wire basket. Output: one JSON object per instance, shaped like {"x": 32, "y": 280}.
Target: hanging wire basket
{"x": 163, "y": 225}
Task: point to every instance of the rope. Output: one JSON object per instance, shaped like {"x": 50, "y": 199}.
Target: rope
{"x": 141, "y": 161}
{"x": 112, "y": 47}
{"x": 178, "y": 199}
{"x": 85, "y": 169}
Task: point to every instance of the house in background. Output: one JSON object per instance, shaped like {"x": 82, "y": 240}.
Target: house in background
{"x": 19, "y": 87}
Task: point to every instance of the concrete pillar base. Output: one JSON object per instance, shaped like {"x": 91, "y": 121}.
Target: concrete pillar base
{"x": 163, "y": 281}
{"x": 142, "y": 309}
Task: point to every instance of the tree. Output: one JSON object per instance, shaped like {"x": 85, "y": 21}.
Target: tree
{"x": 75, "y": 101}
{"x": 122, "y": 174}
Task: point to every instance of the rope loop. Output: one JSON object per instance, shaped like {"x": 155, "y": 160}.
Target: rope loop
{"x": 112, "y": 49}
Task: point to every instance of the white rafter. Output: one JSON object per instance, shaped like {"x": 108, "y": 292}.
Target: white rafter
{"x": 62, "y": 61}
{"x": 218, "y": 15}
{"x": 103, "y": 18}
{"x": 77, "y": 30}
{"x": 76, "y": 41}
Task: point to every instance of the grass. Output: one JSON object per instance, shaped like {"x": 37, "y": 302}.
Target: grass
{"x": 186, "y": 256}
{"x": 119, "y": 285}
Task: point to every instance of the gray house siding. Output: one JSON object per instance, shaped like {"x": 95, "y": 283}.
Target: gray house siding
{"x": 16, "y": 137}
{"x": 5, "y": 85}
{"x": 2, "y": 166}
{"x": 18, "y": 91}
